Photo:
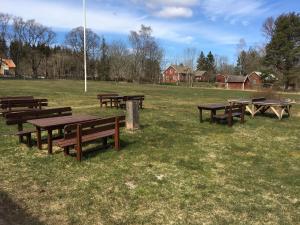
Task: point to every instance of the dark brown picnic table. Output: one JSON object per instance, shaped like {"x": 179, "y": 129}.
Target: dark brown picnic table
{"x": 115, "y": 100}
{"x": 213, "y": 108}
{"x": 56, "y": 123}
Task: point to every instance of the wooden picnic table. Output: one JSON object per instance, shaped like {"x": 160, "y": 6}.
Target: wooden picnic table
{"x": 116, "y": 100}
{"x": 213, "y": 108}
{"x": 56, "y": 123}
{"x": 278, "y": 107}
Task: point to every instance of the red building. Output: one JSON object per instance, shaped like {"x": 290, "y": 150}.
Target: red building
{"x": 251, "y": 81}
{"x": 175, "y": 74}
{"x": 201, "y": 76}
{"x": 220, "y": 78}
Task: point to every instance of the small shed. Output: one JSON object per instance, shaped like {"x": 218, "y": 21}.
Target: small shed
{"x": 201, "y": 75}
{"x": 235, "y": 82}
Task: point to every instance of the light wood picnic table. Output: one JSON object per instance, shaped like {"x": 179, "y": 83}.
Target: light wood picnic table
{"x": 278, "y": 107}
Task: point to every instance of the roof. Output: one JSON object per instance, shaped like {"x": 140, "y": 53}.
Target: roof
{"x": 9, "y": 62}
{"x": 182, "y": 69}
{"x": 236, "y": 79}
{"x": 200, "y": 73}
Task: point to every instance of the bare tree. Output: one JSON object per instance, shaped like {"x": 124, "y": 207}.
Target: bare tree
{"x": 75, "y": 39}
{"x": 189, "y": 58}
{"x": 118, "y": 58}
{"x": 4, "y": 34}
{"x": 268, "y": 28}
{"x": 36, "y": 38}
{"x": 146, "y": 55}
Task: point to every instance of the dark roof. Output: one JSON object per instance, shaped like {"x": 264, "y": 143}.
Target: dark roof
{"x": 235, "y": 79}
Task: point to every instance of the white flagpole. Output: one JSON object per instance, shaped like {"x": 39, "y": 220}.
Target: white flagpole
{"x": 84, "y": 44}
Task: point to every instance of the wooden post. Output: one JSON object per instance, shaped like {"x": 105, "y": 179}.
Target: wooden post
{"x": 243, "y": 114}
{"x": 200, "y": 115}
{"x": 39, "y": 138}
{"x": 49, "y": 141}
{"x": 230, "y": 116}
{"x": 132, "y": 115}
{"x": 117, "y": 134}
{"x": 79, "y": 143}
{"x": 20, "y": 128}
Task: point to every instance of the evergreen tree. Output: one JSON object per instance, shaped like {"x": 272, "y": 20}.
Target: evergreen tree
{"x": 210, "y": 61}
{"x": 202, "y": 62}
{"x": 283, "y": 51}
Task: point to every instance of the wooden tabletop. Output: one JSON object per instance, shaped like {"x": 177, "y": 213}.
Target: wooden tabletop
{"x": 213, "y": 106}
{"x": 60, "y": 121}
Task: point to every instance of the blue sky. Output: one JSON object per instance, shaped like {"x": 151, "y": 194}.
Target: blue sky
{"x": 215, "y": 25}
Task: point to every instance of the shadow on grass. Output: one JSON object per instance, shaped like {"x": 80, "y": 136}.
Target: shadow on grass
{"x": 99, "y": 148}
{"x": 13, "y": 214}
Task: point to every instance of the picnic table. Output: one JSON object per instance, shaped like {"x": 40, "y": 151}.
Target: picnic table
{"x": 212, "y": 108}
{"x": 56, "y": 123}
{"x": 278, "y": 107}
{"x": 119, "y": 100}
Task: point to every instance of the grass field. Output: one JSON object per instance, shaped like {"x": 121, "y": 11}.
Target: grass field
{"x": 173, "y": 171}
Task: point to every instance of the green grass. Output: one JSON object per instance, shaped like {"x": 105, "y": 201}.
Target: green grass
{"x": 173, "y": 171}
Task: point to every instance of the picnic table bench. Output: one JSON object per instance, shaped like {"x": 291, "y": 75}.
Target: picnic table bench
{"x": 19, "y": 118}
{"x": 104, "y": 99}
{"x": 15, "y": 97}
{"x": 83, "y": 132}
{"x": 230, "y": 111}
{"x": 120, "y": 101}
{"x": 56, "y": 123}
{"x": 14, "y": 105}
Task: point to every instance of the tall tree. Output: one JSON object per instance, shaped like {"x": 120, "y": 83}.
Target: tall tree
{"x": 103, "y": 66}
{"x": 74, "y": 40}
{"x": 283, "y": 51}
{"x": 35, "y": 37}
{"x": 202, "y": 62}
{"x": 146, "y": 55}
{"x": 4, "y": 34}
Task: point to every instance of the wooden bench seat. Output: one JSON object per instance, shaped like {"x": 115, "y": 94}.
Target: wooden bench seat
{"x": 27, "y": 104}
{"x": 231, "y": 111}
{"x": 27, "y": 134}
{"x": 77, "y": 134}
{"x": 87, "y": 138}
{"x": 103, "y": 98}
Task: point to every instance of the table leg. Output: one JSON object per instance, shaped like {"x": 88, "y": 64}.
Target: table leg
{"x": 39, "y": 138}
{"x": 212, "y": 114}
{"x": 200, "y": 115}
{"x": 49, "y": 141}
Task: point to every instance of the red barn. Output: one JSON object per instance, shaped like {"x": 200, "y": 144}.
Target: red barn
{"x": 235, "y": 82}
{"x": 175, "y": 74}
{"x": 220, "y": 78}
{"x": 251, "y": 81}
{"x": 201, "y": 76}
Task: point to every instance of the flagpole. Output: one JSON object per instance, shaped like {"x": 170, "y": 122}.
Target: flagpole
{"x": 84, "y": 44}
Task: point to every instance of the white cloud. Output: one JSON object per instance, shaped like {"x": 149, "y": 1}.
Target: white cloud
{"x": 232, "y": 10}
{"x": 160, "y": 3}
{"x": 171, "y": 12}
{"x": 64, "y": 17}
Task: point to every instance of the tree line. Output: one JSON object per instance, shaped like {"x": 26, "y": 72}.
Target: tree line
{"x": 31, "y": 46}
